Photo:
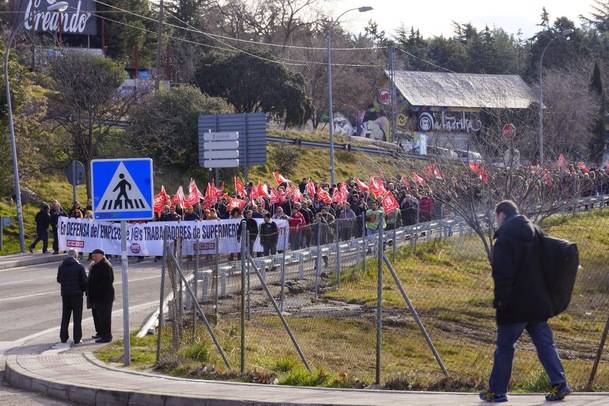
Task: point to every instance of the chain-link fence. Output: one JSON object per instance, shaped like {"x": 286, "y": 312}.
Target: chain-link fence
{"x": 309, "y": 314}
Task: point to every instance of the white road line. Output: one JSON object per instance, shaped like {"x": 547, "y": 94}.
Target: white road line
{"x": 56, "y": 291}
{"x": 18, "y": 282}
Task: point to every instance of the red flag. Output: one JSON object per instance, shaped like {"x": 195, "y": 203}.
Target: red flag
{"x": 583, "y": 167}
{"x": 479, "y": 170}
{"x": 339, "y": 194}
{"x": 361, "y": 185}
{"x": 561, "y": 162}
{"x": 178, "y": 198}
{"x": 432, "y": 171}
{"x": 277, "y": 196}
{"x": 405, "y": 182}
{"x": 239, "y": 187}
{"x": 376, "y": 186}
{"x": 262, "y": 189}
{"x": 279, "y": 179}
{"x": 235, "y": 203}
{"x": 389, "y": 203}
{"x": 294, "y": 193}
{"x": 161, "y": 200}
{"x": 211, "y": 196}
{"x": 418, "y": 180}
{"x": 324, "y": 196}
{"x": 310, "y": 189}
{"x": 194, "y": 194}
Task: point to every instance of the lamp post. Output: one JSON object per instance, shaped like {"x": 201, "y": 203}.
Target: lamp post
{"x": 330, "y": 112}
{"x": 564, "y": 35}
{"x": 60, "y": 7}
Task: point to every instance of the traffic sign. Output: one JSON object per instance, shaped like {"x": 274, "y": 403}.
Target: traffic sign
{"x": 221, "y": 163}
{"x": 221, "y": 154}
{"x": 122, "y": 189}
{"x": 222, "y": 145}
{"x": 221, "y": 136}
{"x": 508, "y": 131}
{"x": 75, "y": 172}
{"x": 220, "y": 149}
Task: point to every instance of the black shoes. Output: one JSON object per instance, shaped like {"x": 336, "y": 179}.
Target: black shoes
{"x": 492, "y": 397}
{"x": 558, "y": 392}
{"x": 95, "y": 337}
{"x": 103, "y": 340}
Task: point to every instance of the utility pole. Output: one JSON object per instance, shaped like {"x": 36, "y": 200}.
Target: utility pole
{"x": 393, "y": 94}
{"x": 158, "y": 46}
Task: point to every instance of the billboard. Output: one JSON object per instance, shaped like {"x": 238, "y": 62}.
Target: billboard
{"x": 78, "y": 19}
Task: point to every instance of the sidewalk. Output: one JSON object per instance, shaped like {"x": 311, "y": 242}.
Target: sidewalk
{"x": 81, "y": 378}
{"x": 17, "y": 260}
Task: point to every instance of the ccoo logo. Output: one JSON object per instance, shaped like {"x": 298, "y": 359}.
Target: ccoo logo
{"x": 135, "y": 248}
{"x": 425, "y": 122}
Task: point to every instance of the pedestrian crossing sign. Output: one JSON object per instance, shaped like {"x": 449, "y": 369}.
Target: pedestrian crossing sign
{"x": 122, "y": 189}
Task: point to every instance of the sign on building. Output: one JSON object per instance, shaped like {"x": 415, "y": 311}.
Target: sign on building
{"x": 78, "y": 19}
{"x": 449, "y": 122}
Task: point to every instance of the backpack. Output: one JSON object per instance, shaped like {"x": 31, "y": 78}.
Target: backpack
{"x": 560, "y": 262}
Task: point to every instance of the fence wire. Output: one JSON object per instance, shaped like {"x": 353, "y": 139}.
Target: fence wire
{"x": 325, "y": 285}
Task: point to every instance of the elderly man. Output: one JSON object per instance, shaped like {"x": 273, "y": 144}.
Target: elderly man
{"x": 72, "y": 277}
{"x": 101, "y": 295}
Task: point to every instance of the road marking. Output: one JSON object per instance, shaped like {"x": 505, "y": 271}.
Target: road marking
{"x": 56, "y": 291}
{"x": 18, "y": 282}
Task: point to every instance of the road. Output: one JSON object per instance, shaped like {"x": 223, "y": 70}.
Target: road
{"x": 30, "y": 313}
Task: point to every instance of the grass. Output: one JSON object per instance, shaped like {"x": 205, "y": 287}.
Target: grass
{"x": 450, "y": 285}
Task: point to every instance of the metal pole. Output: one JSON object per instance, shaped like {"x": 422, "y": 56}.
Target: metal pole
{"x": 282, "y": 295}
{"x": 283, "y": 321}
{"x": 318, "y": 260}
{"x": 247, "y": 264}
{"x": 337, "y": 255}
{"x": 216, "y": 278}
{"x": 73, "y": 183}
{"x": 330, "y": 103}
{"x": 201, "y": 313}
{"x": 364, "y": 242}
{"x": 393, "y": 95}
{"x": 162, "y": 297}
{"x": 1, "y": 233}
{"x": 599, "y": 354}
{"x": 415, "y": 315}
{"x": 158, "y": 46}
{"x": 395, "y": 230}
{"x": 196, "y": 290}
{"x": 379, "y": 304}
{"x": 13, "y": 142}
{"x": 242, "y": 320}
{"x": 125, "y": 283}
{"x": 543, "y": 53}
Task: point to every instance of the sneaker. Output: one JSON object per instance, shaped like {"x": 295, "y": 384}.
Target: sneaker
{"x": 77, "y": 342}
{"x": 103, "y": 340}
{"x": 492, "y": 397}
{"x": 558, "y": 392}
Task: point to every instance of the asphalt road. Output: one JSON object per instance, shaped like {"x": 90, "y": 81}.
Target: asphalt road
{"x": 30, "y": 305}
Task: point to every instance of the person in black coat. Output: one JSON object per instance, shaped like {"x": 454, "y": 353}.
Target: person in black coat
{"x": 522, "y": 301}
{"x": 252, "y": 229}
{"x": 269, "y": 235}
{"x": 72, "y": 277}
{"x": 56, "y": 212}
{"x": 100, "y": 295}
{"x": 43, "y": 220}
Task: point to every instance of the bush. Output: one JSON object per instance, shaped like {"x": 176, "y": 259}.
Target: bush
{"x": 285, "y": 364}
{"x": 196, "y": 352}
{"x": 302, "y": 377}
{"x": 286, "y": 159}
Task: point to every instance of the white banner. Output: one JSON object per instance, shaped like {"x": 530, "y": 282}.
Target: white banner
{"x": 146, "y": 239}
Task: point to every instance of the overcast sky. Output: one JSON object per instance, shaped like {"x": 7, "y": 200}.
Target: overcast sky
{"x": 435, "y": 17}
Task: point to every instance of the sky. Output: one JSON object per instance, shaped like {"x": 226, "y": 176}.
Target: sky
{"x": 435, "y": 17}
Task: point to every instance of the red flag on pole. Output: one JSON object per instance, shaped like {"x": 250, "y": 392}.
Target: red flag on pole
{"x": 239, "y": 187}
{"x": 418, "y": 180}
{"x": 211, "y": 196}
{"x": 194, "y": 194}
{"x": 376, "y": 186}
{"x": 279, "y": 179}
{"x": 178, "y": 198}
{"x": 294, "y": 193}
{"x": 361, "y": 185}
{"x": 405, "y": 182}
{"x": 583, "y": 167}
{"x": 339, "y": 195}
{"x": 479, "y": 170}
{"x": 310, "y": 189}
{"x": 431, "y": 171}
{"x": 263, "y": 190}
{"x": 324, "y": 196}
{"x": 235, "y": 203}
{"x": 389, "y": 203}
{"x": 161, "y": 199}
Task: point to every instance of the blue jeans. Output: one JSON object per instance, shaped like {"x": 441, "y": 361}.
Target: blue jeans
{"x": 507, "y": 335}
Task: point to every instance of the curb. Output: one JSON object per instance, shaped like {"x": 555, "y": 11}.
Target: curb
{"x": 28, "y": 261}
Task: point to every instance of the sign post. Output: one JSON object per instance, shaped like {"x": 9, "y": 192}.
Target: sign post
{"x": 123, "y": 190}
{"x": 75, "y": 172}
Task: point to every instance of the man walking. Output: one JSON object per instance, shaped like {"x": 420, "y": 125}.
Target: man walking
{"x": 522, "y": 302}
{"x": 72, "y": 277}
{"x": 101, "y": 295}
{"x": 43, "y": 220}
{"x": 56, "y": 212}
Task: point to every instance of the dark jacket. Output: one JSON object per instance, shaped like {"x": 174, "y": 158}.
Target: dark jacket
{"x": 101, "y": 278}
{"x": 72, "y": 277}
{"x": 269, "y": 234}
{"x": 521, "y": 295}
{"x": 43, "y": 220}
{"x": 251, "y": 227}
{"x": 54, "y": 216}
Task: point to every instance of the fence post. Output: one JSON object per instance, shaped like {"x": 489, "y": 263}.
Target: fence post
{"x": 216, "y": 277}
{"x": 247, "y": 274}
{"x": 318, "y": 260}
{"x": 599, "y": 355}
{"x": 416, "y": 235}
{"x": 337, "y": 254}
{"x": 364, "y": 242}
{"x": 162, "y": 296}
{"x": 282, "y": 277}
{"x": 243, "y": 269}
{"x": 196, "y": 290}
{"x": 395, "y": 231}
{"x": 379, "y": 303}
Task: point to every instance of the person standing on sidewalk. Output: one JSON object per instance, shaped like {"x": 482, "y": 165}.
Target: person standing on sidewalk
{"x": 56, "y": 212}
{"x": 43, "y": 220}
{"x": 100, "y": 295}
{"x": 522, "y": 301}
{"x": 72, "y": 277}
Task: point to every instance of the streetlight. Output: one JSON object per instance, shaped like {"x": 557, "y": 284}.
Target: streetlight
{"x": 330, "y": 112}
{"x": 60, "y": 7}
{"x": 563, "y": 35}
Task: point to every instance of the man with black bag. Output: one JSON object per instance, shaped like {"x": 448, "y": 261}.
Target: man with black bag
{"x": 100, "y": 295}
{"x": 522, "y": 301}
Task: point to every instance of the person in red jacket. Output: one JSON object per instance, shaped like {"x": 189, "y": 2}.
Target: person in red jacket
{"x": 297, "y": 223}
